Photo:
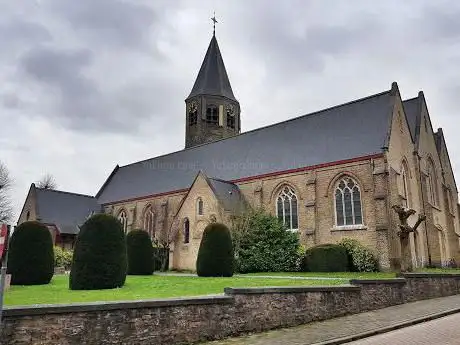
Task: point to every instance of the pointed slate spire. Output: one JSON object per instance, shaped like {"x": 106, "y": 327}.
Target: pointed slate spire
{"x": 212, "y": 79}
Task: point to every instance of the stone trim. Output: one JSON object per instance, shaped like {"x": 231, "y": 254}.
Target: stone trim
{"x": 429, "y": 275}
{"x": 46, "y": 309}
{"x": 349, "y": 228}
{"x": 377, "y": 281}
{"x": 290, "y": 289}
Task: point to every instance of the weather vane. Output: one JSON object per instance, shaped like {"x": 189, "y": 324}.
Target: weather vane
{"x": 214, "y": 20}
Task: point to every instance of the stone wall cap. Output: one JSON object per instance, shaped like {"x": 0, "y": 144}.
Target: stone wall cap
{"x": 429, "y": 275}
{"x": 290, "y": 289}
{"x": 42, "y": 309}
{"x": 378, "y": 281}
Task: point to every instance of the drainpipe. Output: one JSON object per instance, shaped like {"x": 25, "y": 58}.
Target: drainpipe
{"x": 424, "y": 211}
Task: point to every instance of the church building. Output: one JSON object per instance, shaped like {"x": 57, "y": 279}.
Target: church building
{"x": 327, "y": 175}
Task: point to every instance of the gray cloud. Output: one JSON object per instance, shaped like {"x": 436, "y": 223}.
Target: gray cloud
{"x": 91, "y": 84}
{"x": 111, "y": 22}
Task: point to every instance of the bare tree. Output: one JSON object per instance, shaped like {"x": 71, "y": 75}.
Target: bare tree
{"x": 6, "y": 208}
{"x": 46, "y": 182}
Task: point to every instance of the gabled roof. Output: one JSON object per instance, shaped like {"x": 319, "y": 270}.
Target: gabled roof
{"x": 413, "y": 115}
{"x": 347, "y": 131}
{"x": 212, "y": 78}
{"x": 228, "y": 194}
{"x": 66, "y": 210}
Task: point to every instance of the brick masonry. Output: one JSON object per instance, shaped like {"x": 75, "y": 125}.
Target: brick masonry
{"x": 237, "y": 311}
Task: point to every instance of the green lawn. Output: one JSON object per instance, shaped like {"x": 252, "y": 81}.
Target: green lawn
{"x": 144, "y": 287}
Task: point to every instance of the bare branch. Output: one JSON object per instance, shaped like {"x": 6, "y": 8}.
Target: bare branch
{"x": 6, "y": 208}
{"x": 46, "y": 182}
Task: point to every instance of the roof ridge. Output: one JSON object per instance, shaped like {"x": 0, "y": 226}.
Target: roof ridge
{"x": 63, "y": 192}
{"x": 318, "y": 112}
{"x": 221, "y": 180}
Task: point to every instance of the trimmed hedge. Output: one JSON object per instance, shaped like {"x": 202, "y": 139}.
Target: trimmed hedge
{"x": 215, "y": 255}
{"x": 326, "y": 258}
{"x": 361, "y": 258}
{"x": 140, "y": 253}
{"x": 31, "y": 256}
{"x": 99, "y": 260}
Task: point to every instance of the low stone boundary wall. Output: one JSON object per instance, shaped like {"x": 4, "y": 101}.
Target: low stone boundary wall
{"x": 237, "y": 311}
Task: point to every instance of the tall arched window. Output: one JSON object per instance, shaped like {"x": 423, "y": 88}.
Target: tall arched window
{"x": 149, "y": 221}
{"x": 286, "y": 208}
{"x": 123, "y": 218}
{"x": 348, "y": 208}
{"x": 431, "y": 184}
{"x": 199, "y": 206}
{"x": 186, "y": 231}
{"x": 404, "y": 185}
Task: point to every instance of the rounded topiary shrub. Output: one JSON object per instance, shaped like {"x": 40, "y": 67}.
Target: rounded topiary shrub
{"x": 140, "y": 253}
{"x": 99, "y": 259}
{"x": 31, "y": 256}
{"x": 361, "y": 258}
{"x": 326, "y": 258}
{"x": 215, "y": 255}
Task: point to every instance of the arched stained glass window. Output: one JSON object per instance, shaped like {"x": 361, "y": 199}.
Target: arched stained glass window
{"x": 149, "y": 221}
{"x": 123, "y": 218}
{"x": 286, "y": 208}
{"x": 348, "y": 202}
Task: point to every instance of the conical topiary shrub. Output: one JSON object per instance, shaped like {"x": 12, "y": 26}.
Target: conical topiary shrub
{"x": 99, "y": 259}
{"x": 215, "y": 256}
{"x": 31, "y": 256}
{"x": 140, "y": 253}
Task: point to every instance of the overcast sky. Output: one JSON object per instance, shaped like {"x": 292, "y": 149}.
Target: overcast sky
{"x": 88, "y": 84}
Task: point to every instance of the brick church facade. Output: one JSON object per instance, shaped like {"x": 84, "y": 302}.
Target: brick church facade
{"x": 328, "y": 175}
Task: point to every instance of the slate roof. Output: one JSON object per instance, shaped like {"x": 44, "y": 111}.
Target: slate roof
{"x": 412, "y": 111}
{"x": 65, "y": 210}
{"x": 228, "y": 194}
{"x": 212, "y": 78}
{"x": 355, "y": 129}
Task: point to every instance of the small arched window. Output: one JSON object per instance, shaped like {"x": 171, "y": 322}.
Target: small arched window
{"x": 286, "y": 208}
{"x": 199, "y": 206}
{"x": 212, "y": 115}
{"x": 123, "y": 218}
{"x": 149, "y": 221}
{"x": 404, "y": 185}
{"x": 348, "y": 210}
{"x": 186, "y": 231}
{"x": 28, "y": 215}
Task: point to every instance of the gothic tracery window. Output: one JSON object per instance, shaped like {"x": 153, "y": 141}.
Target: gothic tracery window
{"x": 348, "y": 202}
{"x": 431, "y": 184}
{"x": 212, "y": 115}
{"x": 404, "y": 185}
{"x": 149, "y": 222}
{"x": 286, "y": 208}
{"x": 123, "y": 218}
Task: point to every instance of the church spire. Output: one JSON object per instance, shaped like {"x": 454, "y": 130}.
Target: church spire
{"x": 212, "y": 79}
{"x": 212, "y": 111}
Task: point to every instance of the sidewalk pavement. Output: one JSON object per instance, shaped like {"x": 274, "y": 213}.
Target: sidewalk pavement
{"x": 348, "y": 328}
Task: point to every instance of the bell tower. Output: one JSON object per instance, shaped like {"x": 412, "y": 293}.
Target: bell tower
{"x": 212, "y": 111}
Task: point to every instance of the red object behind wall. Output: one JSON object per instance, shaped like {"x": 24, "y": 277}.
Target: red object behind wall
{"x": 3, "y": 239}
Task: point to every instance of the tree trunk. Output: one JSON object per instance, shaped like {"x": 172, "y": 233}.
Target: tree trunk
{"x": 406, "y": 256}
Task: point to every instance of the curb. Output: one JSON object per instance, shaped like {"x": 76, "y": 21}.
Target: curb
{"x": 403, "y": 324}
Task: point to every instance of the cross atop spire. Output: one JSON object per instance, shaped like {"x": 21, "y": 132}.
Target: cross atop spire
{"x": 214, "y": 20}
